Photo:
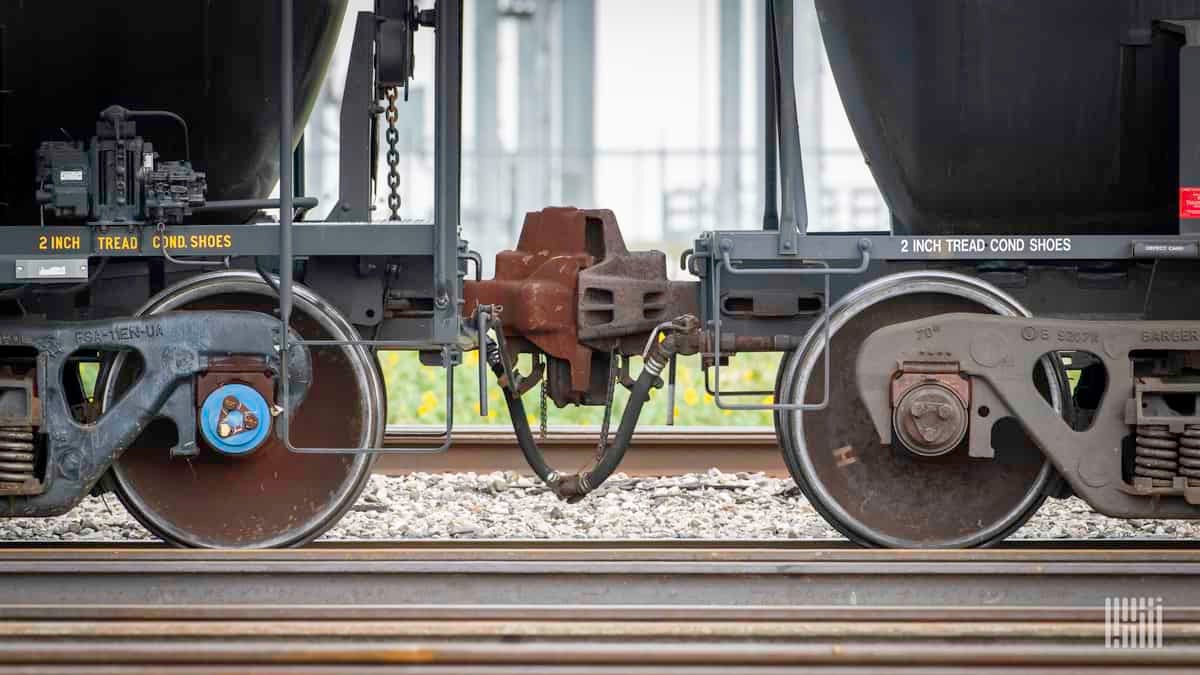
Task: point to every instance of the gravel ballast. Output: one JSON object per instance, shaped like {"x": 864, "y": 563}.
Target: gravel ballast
{"x": 712, "y": 505}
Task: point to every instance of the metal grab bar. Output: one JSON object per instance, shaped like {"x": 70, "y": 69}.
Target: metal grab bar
{"x": 445, "y": 434}
{"x": 823, "y": 269}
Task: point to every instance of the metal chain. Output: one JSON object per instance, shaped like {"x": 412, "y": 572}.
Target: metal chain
{"x": 602, "y": 445}
{"x": 393, "y": 155}
{"x": 543, "y": 417}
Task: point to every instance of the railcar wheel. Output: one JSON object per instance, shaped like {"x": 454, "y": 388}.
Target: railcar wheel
{"x": 884, "y": 496}
{"x": 268, "y": 497}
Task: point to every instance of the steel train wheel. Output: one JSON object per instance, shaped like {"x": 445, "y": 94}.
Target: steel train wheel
{"x": 271, "y": 497}
{"x": 883, "y": 496}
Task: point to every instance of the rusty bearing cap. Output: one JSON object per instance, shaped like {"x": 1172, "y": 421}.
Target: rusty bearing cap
{"x": 930, "y": 419}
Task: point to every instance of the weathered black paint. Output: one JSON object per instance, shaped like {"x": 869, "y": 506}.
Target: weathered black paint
{"x": 215, "y": 62}
{"x": 173, "y": 348}
{"x": 994, "y": 116}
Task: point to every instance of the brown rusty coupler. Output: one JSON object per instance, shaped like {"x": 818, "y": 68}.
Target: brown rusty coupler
{"x": 573, "y": 297}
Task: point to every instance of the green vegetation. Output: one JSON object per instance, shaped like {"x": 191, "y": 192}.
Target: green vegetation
{"x": 416, "y": 394}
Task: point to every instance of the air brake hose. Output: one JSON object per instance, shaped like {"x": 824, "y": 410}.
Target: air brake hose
{"x": 575, "y": 487}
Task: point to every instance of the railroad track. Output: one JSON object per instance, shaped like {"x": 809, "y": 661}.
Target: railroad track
{"x": 655, "y": 451}
{"x": 589, "y": 608}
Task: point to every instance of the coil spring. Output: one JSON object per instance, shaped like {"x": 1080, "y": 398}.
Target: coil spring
{"x": 1156, "y": 454}
{"x": 16, "y": 454}
{"x": 1189, "y": 454}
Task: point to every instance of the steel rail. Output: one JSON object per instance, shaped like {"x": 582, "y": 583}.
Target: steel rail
{"x": 655, "y": 451}
{"x": 526, "y": 575}
{"x": 401, "y": 546}
{"x": 577, "y": 607}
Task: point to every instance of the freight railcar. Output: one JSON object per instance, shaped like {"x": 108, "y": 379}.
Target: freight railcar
{"x": 1027, "y": 329}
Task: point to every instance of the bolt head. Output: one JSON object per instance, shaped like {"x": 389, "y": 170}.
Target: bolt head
{"x": 224, "y": 430}
{"x": 250, "y": 421}
{"x": 230, "y": 403}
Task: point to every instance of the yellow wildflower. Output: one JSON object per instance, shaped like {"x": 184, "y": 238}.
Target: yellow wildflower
{"x": 428, "y": 403}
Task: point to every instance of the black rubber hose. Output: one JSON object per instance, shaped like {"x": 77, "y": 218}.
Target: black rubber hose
{"x": 529, "y": 447}
{"x": 574, "y": 487}
{"x": 613, "y": 454}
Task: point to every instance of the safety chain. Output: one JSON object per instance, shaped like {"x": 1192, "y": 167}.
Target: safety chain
{"x": 602, "y": 445}
{"x": 543, "y": 418}
{"x": 393, "y": 155}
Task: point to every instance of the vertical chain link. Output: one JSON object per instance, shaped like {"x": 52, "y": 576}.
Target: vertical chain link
{"x": 543, "y": 417}
{"x": 602, "y": 445}
{"x": 392, "y": 136}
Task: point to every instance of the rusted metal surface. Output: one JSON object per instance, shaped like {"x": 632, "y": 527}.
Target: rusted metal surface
{"x": 595, "y": 655}
{"x": 931, "y": 410}
{"x": 536, "y": 285}
{"x": 626, "y": 293}
{"x": 500, "y": 609}
{"x": 733, "y": 344}
{"x": 524, "y": 574}
{"x": 655, "y": 451}
{"x": 930, "y": 420}
{"x": 572, "y": 290}
{"x": 911, "y": 377}
{"x": 18, "y": 422}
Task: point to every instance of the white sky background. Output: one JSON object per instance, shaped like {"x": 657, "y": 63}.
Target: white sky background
{"x": 656, "y": 88}
{"x": 655, "y": 83}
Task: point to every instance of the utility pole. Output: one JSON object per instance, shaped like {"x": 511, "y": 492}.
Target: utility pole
{"x": 730, "y": 97}
{"x": 578, "y": 90}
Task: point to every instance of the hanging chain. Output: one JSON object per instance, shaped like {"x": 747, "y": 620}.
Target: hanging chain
{"x": 393, "y": 155}
{"x": 602, "y": 445}
{"x": 543, "y": 417}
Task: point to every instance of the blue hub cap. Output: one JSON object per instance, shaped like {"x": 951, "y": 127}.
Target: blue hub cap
{"x": 235, "y": 419}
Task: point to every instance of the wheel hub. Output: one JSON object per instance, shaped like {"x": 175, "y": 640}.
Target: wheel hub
{"x": 930, "y": 419}
{"x": 235, "y": 419}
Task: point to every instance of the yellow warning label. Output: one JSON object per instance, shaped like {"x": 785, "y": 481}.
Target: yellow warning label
{"x": 117, "y": 242}
{"x": 59, "y": 242}
{"x": 183, "y": 242}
